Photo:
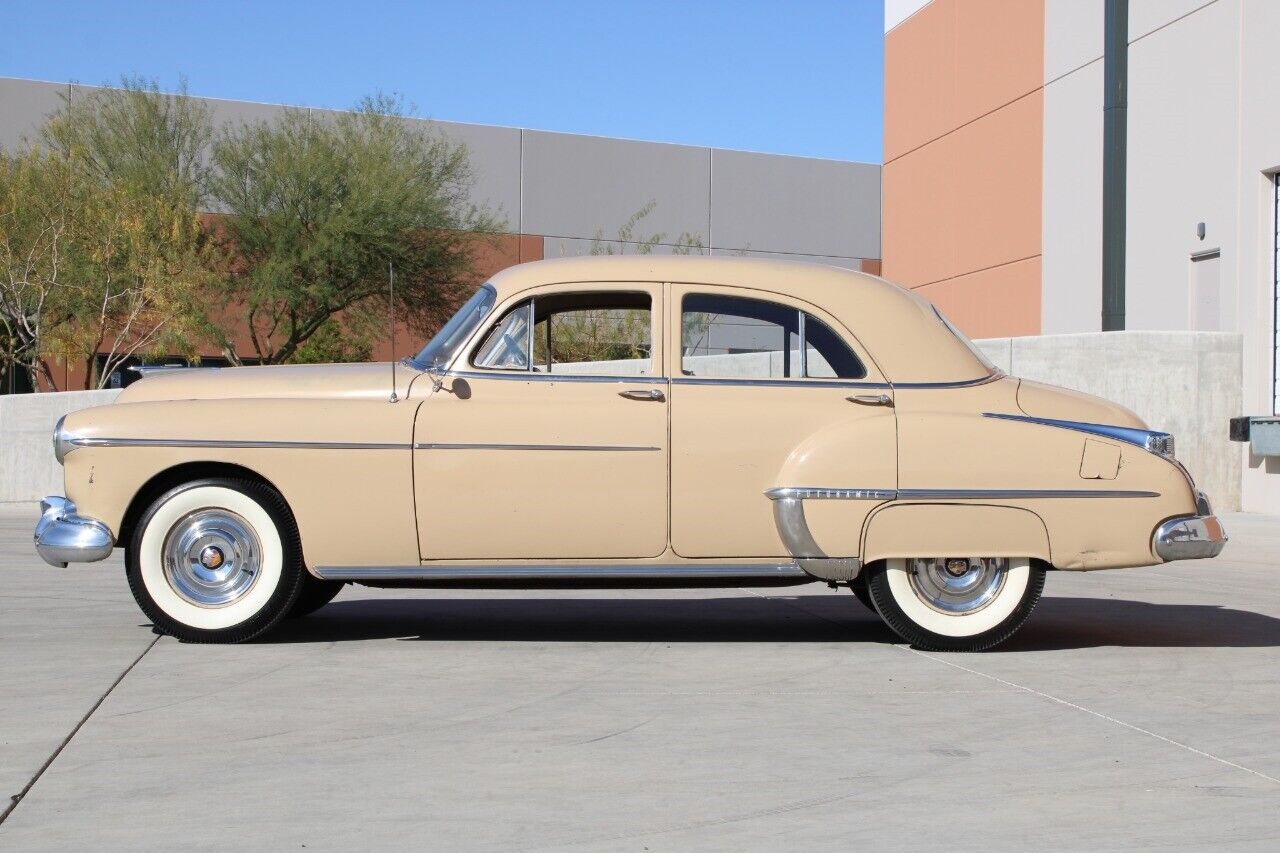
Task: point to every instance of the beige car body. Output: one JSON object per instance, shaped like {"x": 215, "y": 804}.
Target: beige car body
{"x": 466, "y": 470}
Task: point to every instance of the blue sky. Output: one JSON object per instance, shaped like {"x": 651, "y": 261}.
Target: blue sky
{"x": 803, "y": 77}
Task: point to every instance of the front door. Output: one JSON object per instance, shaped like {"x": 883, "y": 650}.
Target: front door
{"x": 548, "y": 440}
{"x": 770, "y": 392}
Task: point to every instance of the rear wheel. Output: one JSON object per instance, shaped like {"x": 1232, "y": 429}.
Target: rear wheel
{"x": 955, "y": 603}
{"x": 860, "y": 591}
{"x": 216, "y": 561}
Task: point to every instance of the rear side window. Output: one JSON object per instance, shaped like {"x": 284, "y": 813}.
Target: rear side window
{"x": 733, "y": 337}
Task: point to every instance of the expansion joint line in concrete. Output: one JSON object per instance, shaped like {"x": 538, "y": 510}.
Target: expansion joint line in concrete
{"x": 1130, "y": 726}
{"x": 18, "y": 797}
{"x": 1046, "y": 696}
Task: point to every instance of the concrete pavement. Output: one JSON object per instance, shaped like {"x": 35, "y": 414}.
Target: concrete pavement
{"x": 1138, "y": 708}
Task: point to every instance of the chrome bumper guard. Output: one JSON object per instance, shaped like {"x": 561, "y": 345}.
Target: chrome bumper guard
{"x": 1190, "y": 538}
{"x": 63, "y": 537}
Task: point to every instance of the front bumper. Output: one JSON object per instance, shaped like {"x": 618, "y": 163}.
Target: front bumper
{"x": 1190, "y": 538}
{"x": 63, "y": 537}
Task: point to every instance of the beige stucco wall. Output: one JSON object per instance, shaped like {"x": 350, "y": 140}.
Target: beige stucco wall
{"x": 1204, "y": 140}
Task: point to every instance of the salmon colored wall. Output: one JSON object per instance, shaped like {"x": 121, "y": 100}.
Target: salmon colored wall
{"x": 993, "y": 303}
{"x": 964, "y": 121}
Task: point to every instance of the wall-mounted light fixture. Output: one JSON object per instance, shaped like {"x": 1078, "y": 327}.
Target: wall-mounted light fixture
{"x": 1200, "y": 230}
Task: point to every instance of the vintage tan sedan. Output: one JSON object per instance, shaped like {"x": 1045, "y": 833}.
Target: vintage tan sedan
{"x": 628, "y": 421}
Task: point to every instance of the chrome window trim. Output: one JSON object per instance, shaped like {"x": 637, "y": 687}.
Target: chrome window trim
{"x": 523, "y": 376}
{"x": 834, "y": 383}
{"x": 558, "y": 571}
{"x": 237, "y": 444}
{"x": 613, "y": 448}
{"x": 1143, "y": 438}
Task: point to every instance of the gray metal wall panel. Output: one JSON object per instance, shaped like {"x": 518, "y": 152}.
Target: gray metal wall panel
{"x": 24, "y": 105}
{"x": 495, "y": 162}
{"x": 829, "y": 260}
{"x": 571, "y": 247}
{"x": 578, "y": 186}
{"x": 565, "y": 247}
{"x": 772, "y": 203}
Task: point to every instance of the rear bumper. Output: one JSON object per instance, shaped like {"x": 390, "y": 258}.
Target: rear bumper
{"x": 63, "y": 537}
{"x": 1190, "y": 538}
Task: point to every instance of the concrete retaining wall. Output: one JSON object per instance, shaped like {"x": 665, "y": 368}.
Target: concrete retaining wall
{"x": 1184, "y": 383}
{"x": 28, "y": 470}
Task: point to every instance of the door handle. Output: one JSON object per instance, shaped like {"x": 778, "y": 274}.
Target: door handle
{"x": 635, "y": 394}
{"x": 871, "y": 399}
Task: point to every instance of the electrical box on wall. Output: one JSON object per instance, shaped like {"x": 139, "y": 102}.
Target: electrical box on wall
{"x": 1262, "y": 433}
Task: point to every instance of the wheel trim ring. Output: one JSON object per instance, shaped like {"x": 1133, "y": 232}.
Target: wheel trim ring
{"x": 949, "y": 595}
{"x": 185, "y": 545}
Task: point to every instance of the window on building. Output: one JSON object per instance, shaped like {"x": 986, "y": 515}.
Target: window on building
{"x": 736, "y": 337}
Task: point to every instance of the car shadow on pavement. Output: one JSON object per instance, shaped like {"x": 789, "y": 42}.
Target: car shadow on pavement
{"x": 1076, "y": 623}
{"x": 604, "y": 619}
{"x": 1058, "y": 623}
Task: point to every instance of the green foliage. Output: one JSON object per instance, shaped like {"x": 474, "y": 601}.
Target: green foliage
{"x": 105, "y": 252}
{"x": 686, "y": 244}
{"x": 609, "y": 334}
{"x": 319, "y": 207}
{"x": 332, "y": 343}
{"x": 101, "y": 247}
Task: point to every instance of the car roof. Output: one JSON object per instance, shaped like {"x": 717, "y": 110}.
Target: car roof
{"x": 900, "y": 329}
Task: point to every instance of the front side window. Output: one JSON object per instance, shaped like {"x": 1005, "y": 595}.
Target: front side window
{"x": 437, "y": 354}
{"x": 606, "y": 334}
{"x": 734, "y": 337}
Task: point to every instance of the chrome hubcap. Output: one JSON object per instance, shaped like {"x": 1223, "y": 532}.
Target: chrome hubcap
{"x": 212, "y": 557}
{"x": 957, "y": 586}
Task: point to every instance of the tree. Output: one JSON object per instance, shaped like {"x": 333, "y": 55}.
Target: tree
{"x": 319, "y": 206}
{"x": 102, "y": 252}
{"x": 35, "y": 251}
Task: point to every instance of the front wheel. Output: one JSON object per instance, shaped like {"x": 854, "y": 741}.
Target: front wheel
{"x": 216, "y": 561}
{"x": 955, "y": 603}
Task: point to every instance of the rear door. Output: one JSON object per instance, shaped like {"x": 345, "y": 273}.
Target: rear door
{"x": 768, "y": 392}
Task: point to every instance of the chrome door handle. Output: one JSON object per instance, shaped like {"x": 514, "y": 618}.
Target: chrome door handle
{"x": 871, "y": 399}
{"x": 634, "y": 394}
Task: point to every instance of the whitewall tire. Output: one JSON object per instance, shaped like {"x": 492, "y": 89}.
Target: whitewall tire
{"x": 216, "y": 560}
{"x": 955, "y": 604}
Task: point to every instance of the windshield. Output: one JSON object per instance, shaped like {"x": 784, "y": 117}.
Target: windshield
{"x": 977, "y": 353}
{"x": 437, "y": 354}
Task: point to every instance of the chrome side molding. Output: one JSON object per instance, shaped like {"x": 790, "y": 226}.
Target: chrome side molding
{"x": 1159, "y": 443}
{"x": 252, "y": 444}
{"x": 561, "y": 572}
{"x": 793, "y": 529}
